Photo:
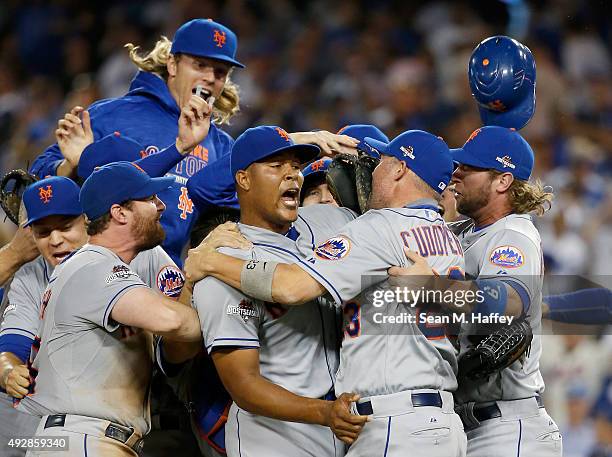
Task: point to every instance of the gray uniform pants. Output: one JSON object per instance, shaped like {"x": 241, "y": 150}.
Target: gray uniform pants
{"x": 524, "y": 429}
{"x": 14, "y": 424}
{"x": 248, "y": 435}
{"x": 399, "y": 429}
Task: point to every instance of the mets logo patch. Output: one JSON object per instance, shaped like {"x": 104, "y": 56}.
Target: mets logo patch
{"x": 507, "y": 257}
{"x": 170, "y": 281}
{"x": 334, "y": 249}
{"x": 245, "y": 309}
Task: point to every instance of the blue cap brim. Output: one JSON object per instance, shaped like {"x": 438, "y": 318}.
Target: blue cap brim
{"x": 53, "y": 212}
{"x": 516, "y": 118}
{"x": 306, "y": 152}
{"x": 220, "y": 57}
{"x": 153, "y": 187}
{"x": 377, "y": 147}
{"x": 462, "y": 157}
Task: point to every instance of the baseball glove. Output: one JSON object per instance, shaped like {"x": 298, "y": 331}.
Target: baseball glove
{"x": 11, "y": 190}
{"x": 349, "y": 178}
{"x": 496, "y": 351}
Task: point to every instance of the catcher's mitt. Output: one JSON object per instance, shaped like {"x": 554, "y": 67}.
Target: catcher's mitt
{"x": 11, "y": 190}
{"x": 496, "y": 351}
{"x": 349, "y": 178}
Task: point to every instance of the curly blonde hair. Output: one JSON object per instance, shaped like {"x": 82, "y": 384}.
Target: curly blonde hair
{"x": 226, "y": 106}
{"x": 526, "y": 197}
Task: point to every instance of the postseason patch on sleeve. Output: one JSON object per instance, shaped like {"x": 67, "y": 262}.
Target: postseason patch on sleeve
{"x": 507, "y": 257}
{"x": 119, "y": 272}
{"x": 334, "y": 249}
{"x": 170, "y": 280}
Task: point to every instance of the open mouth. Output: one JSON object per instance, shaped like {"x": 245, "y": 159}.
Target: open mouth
{"x": 60, "y": 256}
{"x": 291, "y": 197}
{"x": 203, "y": 93}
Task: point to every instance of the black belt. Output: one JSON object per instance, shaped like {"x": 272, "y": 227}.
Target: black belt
{"x": 114, "y": 431}
{"x": 422, "y": 399}
{"x": 485, "y": 413}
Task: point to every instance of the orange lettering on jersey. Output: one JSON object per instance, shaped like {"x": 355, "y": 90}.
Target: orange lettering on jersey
{"x": 45, "y": 194}
{"x": 282, "y": 133}
{"x": 219, "y": 38}
{"x": 185, "y": 203}
{"x": 200, "y": 152}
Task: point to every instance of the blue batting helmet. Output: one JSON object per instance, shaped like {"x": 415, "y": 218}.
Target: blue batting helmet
{"x": 502, "y": 77}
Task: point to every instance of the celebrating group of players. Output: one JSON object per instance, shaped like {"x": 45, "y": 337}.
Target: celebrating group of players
{"x": 277, "y": 354}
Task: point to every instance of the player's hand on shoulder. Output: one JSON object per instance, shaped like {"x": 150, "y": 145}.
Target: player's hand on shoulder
{"x": 74, "y": 134}
{"x": 194, "y": 123}
{"x": 17, "y": 381}
{"x": 329, "y": 143}
{"x": 345, "y": 425}
{"x": 197, "y": 265}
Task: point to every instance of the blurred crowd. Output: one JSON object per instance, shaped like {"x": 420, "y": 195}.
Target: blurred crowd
{"x": 397, "y": 64}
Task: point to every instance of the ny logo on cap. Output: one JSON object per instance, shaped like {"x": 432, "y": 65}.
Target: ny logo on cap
{"x": 282, "y": 133}
{"x": 473, "y": 135}
{"x": 496, "y": 105}
{"x": 45, "y": 194}
{"x": 506, "y": 161}
{"x": 408, "y": 151}
{"x": 317, "y": 165}
{"x": 219, "y": 38}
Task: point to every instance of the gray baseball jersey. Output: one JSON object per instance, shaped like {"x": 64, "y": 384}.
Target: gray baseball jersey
{"x": 297, "y": 345}
{"x": 21, "y": 312}
{"x": 376, "y": 357}
{"x": 510, "y": 250}
{"x": 85, "y": 363}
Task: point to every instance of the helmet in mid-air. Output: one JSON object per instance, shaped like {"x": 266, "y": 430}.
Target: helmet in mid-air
{"x": 502, "y": 77}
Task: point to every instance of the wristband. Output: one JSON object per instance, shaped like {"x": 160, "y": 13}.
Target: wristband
{"x": 492, "y": 297}
{"x": 256, "y": 279}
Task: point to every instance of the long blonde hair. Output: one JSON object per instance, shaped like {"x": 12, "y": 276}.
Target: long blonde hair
{"x": 226, "y": 106}
{"x": 526, "y": 197}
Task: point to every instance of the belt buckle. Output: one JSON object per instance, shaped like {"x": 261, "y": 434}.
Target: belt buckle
{"x": 466, "y": 412}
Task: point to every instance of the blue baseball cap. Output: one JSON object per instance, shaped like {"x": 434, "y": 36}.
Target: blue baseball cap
{"x": 111, "y": 148}
{"x": 118, "y": 182}
{"x": 258, "y": 143}
{"x": 360, "y": 132}
{"x": 425, "y": 154}
{"x": 206, "y": 38}
{"x": 52, "y": 196}
{"x": 497, "y": 148}
{"x": 317, "y": 168}
{"x": 216, "y": 186}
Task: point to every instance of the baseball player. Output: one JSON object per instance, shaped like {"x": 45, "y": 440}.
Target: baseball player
{"x": 278, "y": 364}
{"x": 202, "y": 53}
{"x": 55, "y": 217}
{"x": 504, "y": 414}
{"x": 91, "y": 361}
{"x": 405, "y": 379}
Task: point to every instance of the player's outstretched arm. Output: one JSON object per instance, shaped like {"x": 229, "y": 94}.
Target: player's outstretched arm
{"x": 329, "y": 143}
{"x": 286, "y": 284}
{"x": 239, "y": 372}
{"x": 142, "y": 308}
{"x": 586, "y": 306}
{"x": 482, "y": 296}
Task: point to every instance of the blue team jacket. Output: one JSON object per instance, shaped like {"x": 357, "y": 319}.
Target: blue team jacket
{"x": 149, "y": 115}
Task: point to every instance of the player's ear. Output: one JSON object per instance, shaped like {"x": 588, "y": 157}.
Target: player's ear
{"x": 400, "y": 169}
{"x": 172, "y": 64}
{"x": 118, "y": 213}
{"x": 243, "y": 180}
{"x": 503, "y": 182}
